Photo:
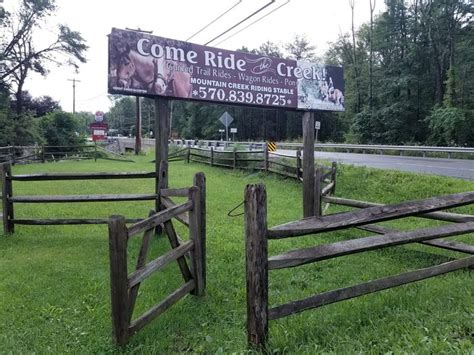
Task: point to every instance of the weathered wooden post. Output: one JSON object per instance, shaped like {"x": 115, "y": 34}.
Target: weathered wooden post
{"x": 256, "y": 251}
{"x": 318, "y": 175}
{"x": 119, "y": 279}
{"x": 308, "y": 164}
{"x": 42, "y": 154}
{"x": 212, "y": 156}
{"x": 298, "y": 164}
{"x": 162, "y": 122}
{"x": 197, "y": 228}
{"x": 95, "y": 151}
{"x": 7, "y": 192}
{"x": 12, "y": 155}
{"x": 333, "y": 177}
{"x": 195, "y": 234}
{"x": 188, "y": 153}
{"x": 234, "y": 158}
{"x": 162, "y": 178}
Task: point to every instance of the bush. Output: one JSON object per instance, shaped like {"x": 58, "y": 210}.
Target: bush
{"x": 61, "y": 129}
{"x": 450, "y": 126}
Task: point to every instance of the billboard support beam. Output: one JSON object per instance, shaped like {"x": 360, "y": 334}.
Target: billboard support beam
{"x": 162, "y": 127}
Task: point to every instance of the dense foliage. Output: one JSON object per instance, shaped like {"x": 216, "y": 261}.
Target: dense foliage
{"x": 60, "y": 129}
{"x": 409, "y": 74}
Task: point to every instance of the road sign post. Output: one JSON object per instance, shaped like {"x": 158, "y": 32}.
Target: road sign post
{"x": 233, "y": 130}
{"x": 317, "y": 126}
{"x": 226, "y": 119}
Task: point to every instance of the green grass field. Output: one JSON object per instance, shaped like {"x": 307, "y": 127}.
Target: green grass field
{"x": 54, "y": 289}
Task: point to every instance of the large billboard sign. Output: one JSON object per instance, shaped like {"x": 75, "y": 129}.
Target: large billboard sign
{"x": 145, "y": 65}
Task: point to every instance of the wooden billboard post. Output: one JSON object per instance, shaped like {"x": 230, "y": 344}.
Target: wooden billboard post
{"x": 308, "y": 164}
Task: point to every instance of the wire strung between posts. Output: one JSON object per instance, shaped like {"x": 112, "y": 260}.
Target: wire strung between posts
{"x": 229, "y": 214}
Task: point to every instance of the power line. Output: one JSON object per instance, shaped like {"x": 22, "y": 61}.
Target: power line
{"x": 259, "y": 19}
{"x": 240, "y": 22}
{"x": 92, "y": 98}
{"x": 217, "y": 18}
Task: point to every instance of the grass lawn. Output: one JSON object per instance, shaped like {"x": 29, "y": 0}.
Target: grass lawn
{"x": 54, "y": 289}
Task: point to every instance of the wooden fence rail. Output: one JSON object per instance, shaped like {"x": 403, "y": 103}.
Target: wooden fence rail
{"x": 44, "y": 153}
{"x": 260, "y": 160}
{"x": 9, "y": 199}
{"x": 125, "y": 285}
{"x": 258, "y": 263}
{"x": 16, "y": 154}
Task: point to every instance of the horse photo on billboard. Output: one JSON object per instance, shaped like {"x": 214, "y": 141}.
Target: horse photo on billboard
{"x": 133, "y": 72}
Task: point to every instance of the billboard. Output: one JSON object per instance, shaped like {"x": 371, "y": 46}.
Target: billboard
{"x": 145, "y": 65}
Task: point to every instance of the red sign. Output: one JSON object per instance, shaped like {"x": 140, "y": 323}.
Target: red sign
{"x": 146, "y": 65}
{"x": 99, "y": 131}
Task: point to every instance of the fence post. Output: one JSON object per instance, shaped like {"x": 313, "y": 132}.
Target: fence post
{"x": 256, "y": 251}
{"x": 333, "y": 177}
{"x": 308, "y": 164}
{"x": 95, "y": 152}
{"x": 265, "y": 157}
{"x": 188, "y": 153}
{"x": 195, "y": 234}
{"x": 42, "y": 154}
{"x": 7, "y": 192}
{"x": 12, "y": 154}
{"x": 119, "y": 279}
{"x": 199, "y": 211}
{"x": 234, "y": 158}
{"x": 318, "y": 174}
{"x": 298, "y": 165}
{"x": 212, "y": 156}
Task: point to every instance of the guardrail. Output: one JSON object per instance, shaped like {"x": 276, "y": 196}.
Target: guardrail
{"x": 461, "y": 152}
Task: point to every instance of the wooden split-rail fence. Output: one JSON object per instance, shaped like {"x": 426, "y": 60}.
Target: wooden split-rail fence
{"x": 263, "y": 160}
{"x": 258, "y": 263}
{"x": 9, "y": 199}
{"x": 125, "y": 285}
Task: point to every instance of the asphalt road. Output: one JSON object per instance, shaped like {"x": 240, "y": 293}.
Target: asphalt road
{"x": 459, "y": 168}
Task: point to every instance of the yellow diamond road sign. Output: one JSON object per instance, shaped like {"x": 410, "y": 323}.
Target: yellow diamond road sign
{"x": 271, "y": 146}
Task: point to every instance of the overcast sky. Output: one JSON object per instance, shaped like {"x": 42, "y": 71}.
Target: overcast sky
{"x": 321, "y": 21}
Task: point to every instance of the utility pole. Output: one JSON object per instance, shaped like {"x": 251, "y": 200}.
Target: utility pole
{"x": 74, "y": 94}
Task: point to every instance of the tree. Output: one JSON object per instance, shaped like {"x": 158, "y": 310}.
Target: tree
{"x": 270, "y": 49}
{"x": 122, "y": 115}
{"x": 354, "y": 58}
{"x": 443, "y": 22}
{"x": 37, "y": 106}
{"x": 300, "y": 49}
{"x": 18, "y": 53}
{"x": 450, "y": 126}
{"x": 61, "y": 129}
